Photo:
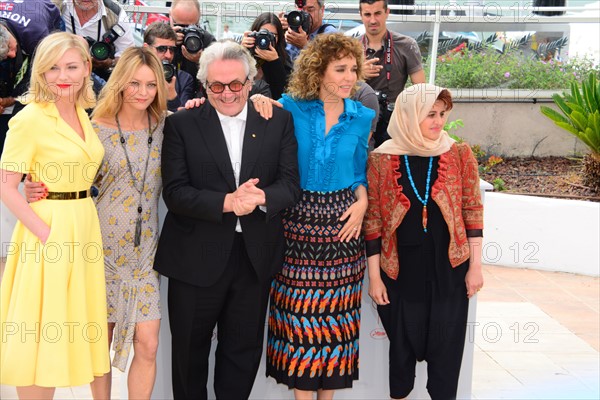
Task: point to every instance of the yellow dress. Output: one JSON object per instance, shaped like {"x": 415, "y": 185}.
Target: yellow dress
{"x": 53, "y": 296}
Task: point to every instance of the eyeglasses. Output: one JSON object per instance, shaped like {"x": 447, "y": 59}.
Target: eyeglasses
{"x": 234, "y": 86}
{"x": 163, "y": 49}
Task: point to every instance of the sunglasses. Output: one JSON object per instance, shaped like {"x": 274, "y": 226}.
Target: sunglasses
{"x": 234, "y": 86}
{"x": 163, "y": 49}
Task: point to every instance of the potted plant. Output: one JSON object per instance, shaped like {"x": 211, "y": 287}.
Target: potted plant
{"x": 581, "y": 116}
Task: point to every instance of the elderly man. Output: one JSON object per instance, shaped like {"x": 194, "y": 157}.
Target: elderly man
{"x": 93, "y": 18}
{"x": 227, "y": 175}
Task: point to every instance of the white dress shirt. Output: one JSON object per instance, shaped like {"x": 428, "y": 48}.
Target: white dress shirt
{"x": 233, "y": 130}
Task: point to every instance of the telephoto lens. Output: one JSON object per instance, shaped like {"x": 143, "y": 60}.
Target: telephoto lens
{"x": 297, "y": 19}
{"x": 193, "y": 38}
{"x": 105, "y": 48}
{"x": 100, "y": 51}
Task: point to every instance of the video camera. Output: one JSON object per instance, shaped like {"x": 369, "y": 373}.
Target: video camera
{"x": 263, "y": 39}
{"x": 300, "y": 18}
{"x": 193, "y": 37}
{"x": 169, "y": 70}
{"x": 104, "y": 48}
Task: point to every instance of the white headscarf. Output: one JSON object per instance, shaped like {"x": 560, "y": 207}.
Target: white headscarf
{"x": 412, "y": 107}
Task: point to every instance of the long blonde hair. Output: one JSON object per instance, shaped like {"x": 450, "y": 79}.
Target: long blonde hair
{"x": 48, "y": 52}
{"x": 112, "y": 98}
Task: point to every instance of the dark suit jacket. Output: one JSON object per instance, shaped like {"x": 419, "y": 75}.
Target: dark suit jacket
{"x": 197, "y": 237}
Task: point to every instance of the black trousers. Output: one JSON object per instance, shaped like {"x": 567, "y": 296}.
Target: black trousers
{"x": 237, "y": 305}
{"x": 432, "y": 330}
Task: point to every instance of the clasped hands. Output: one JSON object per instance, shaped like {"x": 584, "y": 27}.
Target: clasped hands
{"x": 245, "y": 199}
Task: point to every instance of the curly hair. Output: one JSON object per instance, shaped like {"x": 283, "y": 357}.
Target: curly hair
{"x": 305, "y": 81}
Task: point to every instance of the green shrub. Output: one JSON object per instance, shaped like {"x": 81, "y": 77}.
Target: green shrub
{"x": 513, "y": 70}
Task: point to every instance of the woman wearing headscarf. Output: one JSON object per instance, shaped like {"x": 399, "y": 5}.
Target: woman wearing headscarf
{"x": 423, "y": 229}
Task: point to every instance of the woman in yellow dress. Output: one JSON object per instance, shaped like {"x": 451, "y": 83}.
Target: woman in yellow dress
{"x": 53, "y": 297}
{"x": 129, "y": 120}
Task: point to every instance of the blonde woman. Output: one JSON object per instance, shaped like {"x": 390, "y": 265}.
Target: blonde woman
{"x": 129, "y": 120}
{"x": 53, "y": 299}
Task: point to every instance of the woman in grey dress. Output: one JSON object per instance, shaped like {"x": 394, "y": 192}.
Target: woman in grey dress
{"x": 129, "y": 120}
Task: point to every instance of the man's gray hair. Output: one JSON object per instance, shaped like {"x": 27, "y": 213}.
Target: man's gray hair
{"x": 4, "y": 38}
{"x": 226, "y": 50}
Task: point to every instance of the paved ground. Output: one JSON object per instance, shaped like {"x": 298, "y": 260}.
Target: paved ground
{"x": 538, "y": 337}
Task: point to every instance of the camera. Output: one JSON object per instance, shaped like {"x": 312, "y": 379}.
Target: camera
{"x": 104, "y": 48}
{"x": 263, "y": 39}
{"x": 169, "y": 70}
{"x": 386, "y": 108}
{"x": 297, "y": 19}
{"x": 193, "y": 37}
{"x": 381, "y": 98}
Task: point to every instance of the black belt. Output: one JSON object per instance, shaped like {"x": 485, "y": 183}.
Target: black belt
{"x": 82, "y": 194}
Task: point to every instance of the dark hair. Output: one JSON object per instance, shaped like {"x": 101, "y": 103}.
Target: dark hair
{"x": 446, "y": 98}
{"x": 159, "y": 30}
{"x": 385, "y": 3}
{"x": 270, "y": 18}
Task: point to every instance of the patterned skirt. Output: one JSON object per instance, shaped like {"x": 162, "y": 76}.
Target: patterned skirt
{"x": 314, "y": 311}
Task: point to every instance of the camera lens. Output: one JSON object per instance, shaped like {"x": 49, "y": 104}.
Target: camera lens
{"x": 193, "y": 44}
{"x": 263, "y": 43}
{"x": 295, "y": 20}
{"x": 169, "y": 70}
{"x": 100, "y": 51}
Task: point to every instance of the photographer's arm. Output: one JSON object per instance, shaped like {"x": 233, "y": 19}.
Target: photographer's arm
{"x": 418, "y": 77}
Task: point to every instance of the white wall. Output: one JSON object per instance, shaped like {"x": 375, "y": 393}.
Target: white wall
{"x": 542, "y": 233}
{"x": 513, "y": 129}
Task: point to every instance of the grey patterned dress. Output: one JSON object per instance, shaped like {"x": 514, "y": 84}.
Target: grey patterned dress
{"x": 131, "y": 284}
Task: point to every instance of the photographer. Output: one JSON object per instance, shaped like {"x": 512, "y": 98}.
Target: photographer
{"x": 265, "y": 41}
{"x": 185, "y": 16}
{"x": 310, "y": 21}
{"x": 391, "y": 58}
{"x": 161, "y": 38}
{"x": 22, "y": 27}
{"x": 101, "y": 21}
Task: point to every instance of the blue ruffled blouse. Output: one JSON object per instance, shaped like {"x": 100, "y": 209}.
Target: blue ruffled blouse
{"x": 338, "y": 160}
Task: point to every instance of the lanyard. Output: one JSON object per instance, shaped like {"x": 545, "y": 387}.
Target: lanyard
{"x": 387, "y": 49}
{"x": 74, "y": 30}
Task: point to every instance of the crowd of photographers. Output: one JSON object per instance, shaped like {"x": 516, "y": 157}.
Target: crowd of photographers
{"x": 274, "y": 40}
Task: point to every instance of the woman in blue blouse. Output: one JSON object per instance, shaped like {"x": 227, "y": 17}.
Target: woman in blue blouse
{"x": 315, "y": 300}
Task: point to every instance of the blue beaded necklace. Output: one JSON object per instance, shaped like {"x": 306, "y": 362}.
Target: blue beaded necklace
{"x": 424, "y": 199}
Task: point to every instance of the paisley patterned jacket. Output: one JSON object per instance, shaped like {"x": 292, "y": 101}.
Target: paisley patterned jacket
{"x": 456, "y": 192}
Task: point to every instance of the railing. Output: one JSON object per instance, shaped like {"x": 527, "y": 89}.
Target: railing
{"x": 434, "y": 18}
